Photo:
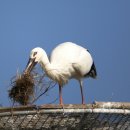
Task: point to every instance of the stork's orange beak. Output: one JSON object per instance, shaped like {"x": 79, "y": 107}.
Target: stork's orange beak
{"x": 30, "y": 65}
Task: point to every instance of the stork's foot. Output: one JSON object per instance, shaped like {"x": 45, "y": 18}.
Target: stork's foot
{"x": 83, "y": 103}
{"x": 62, "y": 106}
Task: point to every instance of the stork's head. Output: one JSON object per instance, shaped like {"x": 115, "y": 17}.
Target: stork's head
{"x": 35, "y": 57}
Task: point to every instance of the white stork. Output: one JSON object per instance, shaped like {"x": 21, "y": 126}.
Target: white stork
{"x": 68, "y": 60}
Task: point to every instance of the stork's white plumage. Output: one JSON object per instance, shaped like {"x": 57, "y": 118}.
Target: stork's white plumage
{"x": 67, "y": 60}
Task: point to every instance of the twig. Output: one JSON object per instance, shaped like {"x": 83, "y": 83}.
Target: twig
{"x": 48, "y": 88}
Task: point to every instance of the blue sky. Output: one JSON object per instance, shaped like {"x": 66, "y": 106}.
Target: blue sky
{"x": 101, "y": 26}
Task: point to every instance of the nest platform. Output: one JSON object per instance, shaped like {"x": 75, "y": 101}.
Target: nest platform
{"x": 95, "y": 116}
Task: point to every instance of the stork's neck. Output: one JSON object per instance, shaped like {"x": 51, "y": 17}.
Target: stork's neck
{"x": 53, "y": 71}
{"x": 45, "y": 63}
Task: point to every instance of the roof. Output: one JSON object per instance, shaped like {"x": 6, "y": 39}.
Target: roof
{"x": 96, "y": 116}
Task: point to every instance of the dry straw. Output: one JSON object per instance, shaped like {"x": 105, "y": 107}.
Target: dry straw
{"x": 22, "y": 89}
{"x": 28, "y": 88}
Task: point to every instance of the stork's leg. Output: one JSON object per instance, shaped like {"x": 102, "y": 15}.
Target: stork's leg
{"x": 81, "y": 89}
{"x": 60, "y": 95}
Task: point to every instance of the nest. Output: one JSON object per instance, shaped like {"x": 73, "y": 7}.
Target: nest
{"x": 22, "y": 89}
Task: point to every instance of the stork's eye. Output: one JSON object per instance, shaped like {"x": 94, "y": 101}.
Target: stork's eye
{"x": 34, "y": 54}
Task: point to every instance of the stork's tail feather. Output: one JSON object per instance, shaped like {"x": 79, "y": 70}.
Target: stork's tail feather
{"x": 92, "y": 73}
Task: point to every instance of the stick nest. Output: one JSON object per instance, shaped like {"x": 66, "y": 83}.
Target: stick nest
{"x": 22, "y": 89}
